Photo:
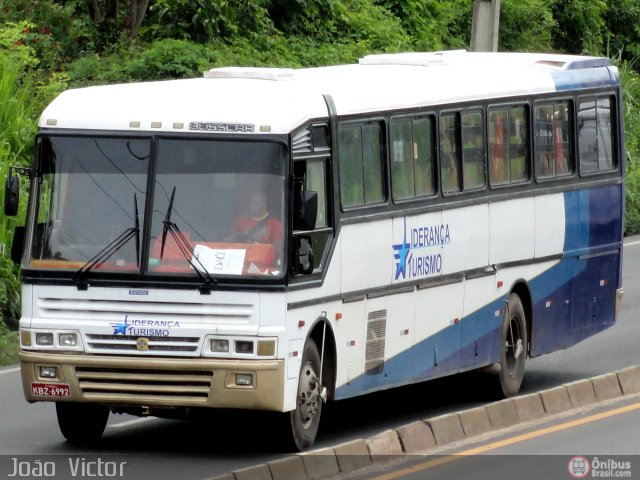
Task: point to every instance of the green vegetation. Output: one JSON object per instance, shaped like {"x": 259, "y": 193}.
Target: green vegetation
{"x": 49, "y": 45}
{"x": 8, "y": 345}
{"x": 631, "y": 100}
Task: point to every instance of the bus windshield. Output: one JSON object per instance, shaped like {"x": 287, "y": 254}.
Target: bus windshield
{"x": 217, "y": 206}
{"x": 228, "y": 207}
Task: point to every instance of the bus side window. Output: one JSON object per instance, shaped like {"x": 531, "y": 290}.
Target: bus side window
{"x": 424, "y": 155}
{"x": 508, "y": 145}
{"x": 315, "y": 181}
{"x": 310, "y": 245}
{"x": 372, "y": 160}
{"x": 402, "y": 174}
{"x": 361, "y": 160}
{"x": 553, "y": 140}
{"x": 472, "y": 150}
{"x": 412, "y": 157}
{"x": 518, "y": 144}
{"x": 449, "y": 156}
{"x": 351, "y": 180}
{"x": 595, "y": 135}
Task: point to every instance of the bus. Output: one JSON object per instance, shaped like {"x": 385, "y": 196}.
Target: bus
{"x": 274, "y": 239}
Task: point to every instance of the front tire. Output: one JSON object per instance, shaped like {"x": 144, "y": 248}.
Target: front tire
{"x": 82, "y": 423}
{"x": 513, "y": 346}
{"x": 305, "y": 419}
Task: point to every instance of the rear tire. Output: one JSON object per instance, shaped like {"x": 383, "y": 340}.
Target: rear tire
{"x": 513, "y": 346}
{"x": 305, "y": 419}
{"x": 82, "y": 423}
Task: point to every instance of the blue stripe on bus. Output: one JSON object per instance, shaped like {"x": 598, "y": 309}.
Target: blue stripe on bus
{"x": 590, "y": 220}
{"x": 582, "y": 288}
{"x": 569, "y": 302}
{"x": 587, "y": 78}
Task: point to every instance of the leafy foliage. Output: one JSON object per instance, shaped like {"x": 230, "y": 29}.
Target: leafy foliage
{"x": 581, "y": 26}
{"x": 206, "y": 20}
{"x": 56, "y": 31}
{"x": 17, "y": 129}
{"x": 525, "y": 26}
{"x": 631, "y": 103}
{"x": 167, "y": 59}
{"x": 8, "y": 345}
{"x": 316, "y": 18}
{"x": 623, "y": 27}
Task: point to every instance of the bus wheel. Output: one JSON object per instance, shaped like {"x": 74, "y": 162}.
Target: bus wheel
{"x": 82, "y": 423}
{"x": 513, "y": 351}
{"x": 306, "y": 417}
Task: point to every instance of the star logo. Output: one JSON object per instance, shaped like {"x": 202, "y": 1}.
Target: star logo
{"x": 401, "y": 254}
{"x": 121, "y": 328}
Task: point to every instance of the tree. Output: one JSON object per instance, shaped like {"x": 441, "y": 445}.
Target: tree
{"x": 581, "y": 26}
{"x": 106, "y": 15}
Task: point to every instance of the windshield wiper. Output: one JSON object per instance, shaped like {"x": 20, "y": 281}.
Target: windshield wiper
{"x": 184, "y": 248}
{"x": 106, "y": 253}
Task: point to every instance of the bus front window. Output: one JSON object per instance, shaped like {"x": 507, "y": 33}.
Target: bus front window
{"x": 90, "y": 202}
{"x": 227, "y": 208}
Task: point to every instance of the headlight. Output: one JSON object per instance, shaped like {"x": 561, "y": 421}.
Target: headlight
{"x": 44, "y": 339}
{"x": 48, "y": 371}
{"x": 244, "y": 379}
{"x": 219, "y": 346}
{"x": 68, "y": 339}
{"x": 244, "y": 347}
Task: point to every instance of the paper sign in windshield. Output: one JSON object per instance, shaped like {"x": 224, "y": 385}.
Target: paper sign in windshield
{"x": 227, "y": 261}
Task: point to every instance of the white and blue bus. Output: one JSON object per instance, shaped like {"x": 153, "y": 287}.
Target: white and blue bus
{"x": 422, "y": 214}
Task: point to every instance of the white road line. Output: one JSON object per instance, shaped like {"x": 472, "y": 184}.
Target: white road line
{"x": 630, "y": 244}
{"x": 10, "y": 370}
{"x": 135, "y": 421}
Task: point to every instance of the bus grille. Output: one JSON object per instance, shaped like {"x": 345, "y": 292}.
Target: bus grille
{"x": 376, "y": 335}
{"x": 121, "y": 343}
{"x": 231, "y": 312}
{"x": 147, "y": 385}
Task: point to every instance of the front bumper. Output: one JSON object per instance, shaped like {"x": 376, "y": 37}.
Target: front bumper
{"x": 155, "y": 382}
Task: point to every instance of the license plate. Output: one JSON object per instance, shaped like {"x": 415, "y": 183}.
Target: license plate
{"x": 50, "y": 390}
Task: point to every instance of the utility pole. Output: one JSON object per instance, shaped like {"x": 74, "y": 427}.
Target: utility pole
{"x": 485, "y": 26}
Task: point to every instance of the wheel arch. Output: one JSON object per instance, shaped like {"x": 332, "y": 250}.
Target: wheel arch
{"x": 320, "y": 330}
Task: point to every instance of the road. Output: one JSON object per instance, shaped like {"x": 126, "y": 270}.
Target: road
{"x": 158, "y": 448}
{"x": 603, "y": 438}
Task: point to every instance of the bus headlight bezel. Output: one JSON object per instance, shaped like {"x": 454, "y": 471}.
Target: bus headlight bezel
{"x": 51, "y": 340}
{"x": 240, "y": 347}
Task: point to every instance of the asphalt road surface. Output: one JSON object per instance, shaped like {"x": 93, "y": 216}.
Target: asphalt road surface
{"x": 602, "y": 441}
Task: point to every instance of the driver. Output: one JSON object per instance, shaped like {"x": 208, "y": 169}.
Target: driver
{"x": 258, "y": 225}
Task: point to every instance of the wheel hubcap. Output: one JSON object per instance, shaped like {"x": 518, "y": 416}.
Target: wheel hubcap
{"x": 309, "y": 395}
{"x": 513, "y": 345}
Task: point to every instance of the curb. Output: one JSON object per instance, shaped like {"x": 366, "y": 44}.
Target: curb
{"x": 422, "y": 436}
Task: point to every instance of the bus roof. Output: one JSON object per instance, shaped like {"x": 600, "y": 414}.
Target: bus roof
{"x": 274, "y": 100}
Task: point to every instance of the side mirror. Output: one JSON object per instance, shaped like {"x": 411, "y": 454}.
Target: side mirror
{"x": 11, "y": 195}
{"x": 304, "y": 262}
{"x": 306, "y": 211}
{"x": 18, "y": 245}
